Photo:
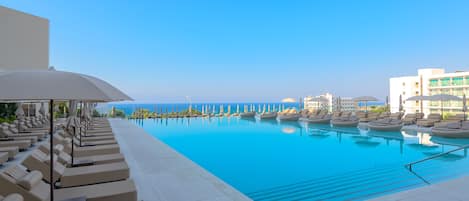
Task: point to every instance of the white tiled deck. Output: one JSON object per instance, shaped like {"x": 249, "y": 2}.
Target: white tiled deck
{"x": 162, "y": 174}
{"x": 454, "y": 190}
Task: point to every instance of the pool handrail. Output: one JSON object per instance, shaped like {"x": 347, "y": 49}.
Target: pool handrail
{"x": 409, "y": 165}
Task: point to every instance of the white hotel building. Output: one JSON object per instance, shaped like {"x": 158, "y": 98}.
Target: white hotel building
{"x": 427, "y": 82}
{"x": 329, "y": 102}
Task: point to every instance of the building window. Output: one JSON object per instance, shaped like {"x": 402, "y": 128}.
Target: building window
{"x": 445, "y": 81}
{"x": 433, "y": 83}
{"x": 458, "y": 81}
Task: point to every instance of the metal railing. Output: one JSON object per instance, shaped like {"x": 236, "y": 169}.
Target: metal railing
{"x": 409, "y": 165}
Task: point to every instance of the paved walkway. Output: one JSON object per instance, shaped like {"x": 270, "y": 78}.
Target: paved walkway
{"x": 453, "y": 190}
{"x": 162, "y": 174}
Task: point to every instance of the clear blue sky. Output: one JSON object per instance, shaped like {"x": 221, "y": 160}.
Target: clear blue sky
{"x": 248, "y": 50}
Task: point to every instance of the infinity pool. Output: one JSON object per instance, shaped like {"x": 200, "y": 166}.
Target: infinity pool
{"x": 270, "y": 160}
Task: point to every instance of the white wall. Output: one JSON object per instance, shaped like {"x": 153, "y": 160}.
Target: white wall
{"x": 405, "y": 87}
{"x": 24, "y": 41}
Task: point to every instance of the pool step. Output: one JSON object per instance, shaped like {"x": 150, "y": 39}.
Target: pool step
{"x": 361, "y": 184}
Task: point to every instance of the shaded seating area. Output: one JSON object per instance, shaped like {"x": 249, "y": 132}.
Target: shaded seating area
{"x": 345, "y": 120}
{"x": 412, "y": 118}
{"x": 322, "y": 117}
{"x": 13, "y": 142}
{"x": 430, "y": 120}
{"x": 369, "y": 116}
{"x": 452, "y": 130}
{"x": 392, "y": 123}
{"x": 94, "y": 177}
{"x": 43, "y": 176}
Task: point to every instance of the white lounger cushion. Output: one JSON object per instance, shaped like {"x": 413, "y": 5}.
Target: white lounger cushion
{"x": 12, "y": 197}
{"x": 30, "y": 180}
{"x": 3, "y": 157}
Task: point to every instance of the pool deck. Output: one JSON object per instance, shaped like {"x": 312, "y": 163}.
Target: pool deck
{"x": 162, "y": 174}
{"x": 453, "y": 190}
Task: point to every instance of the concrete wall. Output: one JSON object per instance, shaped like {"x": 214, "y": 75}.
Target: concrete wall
{"x": 24, "y": 41}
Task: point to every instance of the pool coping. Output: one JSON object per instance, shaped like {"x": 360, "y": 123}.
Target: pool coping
{"x": 455, "y": 189}
{"x": 163, "y": 174}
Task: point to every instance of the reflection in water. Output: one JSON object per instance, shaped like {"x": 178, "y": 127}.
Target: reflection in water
{"x": 447, "y": 157}
{"x": 268, "y": 121}
{"x": 290, "y": 127}
{"x": 422, "y": 147}
{"x": 288, "y": 130}
{"x": 449, "y": 141}
{"x": 387, "y": 135}
{"x": 360, "y": 137}
{"x": 367, "y": 143}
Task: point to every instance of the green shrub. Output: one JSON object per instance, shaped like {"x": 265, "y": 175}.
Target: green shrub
{"x": 7, "y": 110}
{"x": 116, "y": 113}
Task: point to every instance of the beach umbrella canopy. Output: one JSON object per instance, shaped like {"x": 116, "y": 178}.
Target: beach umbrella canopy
{"x": 444, "y": 97}
{"x": 56, "y": 85}
{"x": 365, "y": 99}
{"x": 419, "y": 98}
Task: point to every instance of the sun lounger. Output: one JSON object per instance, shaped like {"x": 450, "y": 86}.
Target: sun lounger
{"x": 12, "y": 151}
{"x": 387, "y": 124}
{"x": 370, "y": 117}
{"x": 3, "y": 157}
{"x": 5, "y": 133}
{"x": 336, "y": 114}
{"x": 12, "y": 197}
{"x": 409, "y": 119}
{"x": 396, "y": 115}
{"x": 452, "y": 130}
{"x": 345, "y": 120}
{"x": 384, "y": 115}
{"x": 97, "y": 138}
{"x": 360, "y": 114}
{"x": 31, "y": 186}
{"x": 66, "y": 159}
{"x": 454, "y": 118}
{"x": 101, "y": 139}
{"x": 77, "y": 176}
{"x": 21, "y": 144}
{"x": 430, "y": 120}
{"x": 91, "y": 150}
{"x": 14, "y": 130}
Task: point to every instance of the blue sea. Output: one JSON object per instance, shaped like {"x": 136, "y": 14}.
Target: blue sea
{"x": 128, "y": 108}
{"x": 179, "y": 107}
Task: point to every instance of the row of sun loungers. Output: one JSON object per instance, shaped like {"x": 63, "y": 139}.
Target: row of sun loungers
{"x": 97, "y": 172}
{"x": 454, "y": 126}
{"x": 12, "y": 141}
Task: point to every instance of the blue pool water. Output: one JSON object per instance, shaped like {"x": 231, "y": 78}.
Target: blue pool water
{"x": 270, "y": 160}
